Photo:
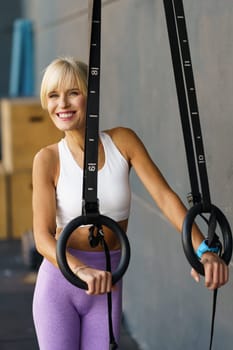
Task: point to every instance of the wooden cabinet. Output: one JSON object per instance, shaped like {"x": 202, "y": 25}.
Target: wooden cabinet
{"x": 25, "y": 128}
{"x": 3, "y": 205}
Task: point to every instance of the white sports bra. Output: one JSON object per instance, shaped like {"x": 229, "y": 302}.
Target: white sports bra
{"x": 113, "y": 184}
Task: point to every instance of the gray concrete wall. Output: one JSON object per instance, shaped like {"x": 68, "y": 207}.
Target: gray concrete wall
{"x": 164, "y": 308}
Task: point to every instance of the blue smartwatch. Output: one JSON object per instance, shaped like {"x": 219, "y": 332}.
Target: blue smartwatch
{"x": 203, "y": 248}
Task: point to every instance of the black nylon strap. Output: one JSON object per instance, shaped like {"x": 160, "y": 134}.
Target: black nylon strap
{"x": 189, "y": 114}
{"x": 95, "y": 239}
{"x": 90, "y": 174}
{"x": 181, "y": 94}
{"x": 188, "y": 106}
{"x": 192, "y": 100}
{"x": 215, "y": 294}
{"x": 112, "y": 342}
{"x": 90, "y": 200}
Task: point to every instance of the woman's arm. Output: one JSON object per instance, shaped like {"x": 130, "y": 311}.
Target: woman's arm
{"x": 45, "y": 172}
{"x": 216, "y": 271}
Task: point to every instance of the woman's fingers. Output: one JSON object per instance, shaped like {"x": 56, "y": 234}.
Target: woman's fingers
{"x": 195, "y": 275}
{"x": 216, "y": 271}
{"x": 98, "y": 281}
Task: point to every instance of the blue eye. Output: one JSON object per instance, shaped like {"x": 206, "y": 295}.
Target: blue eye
{"x": 75, "y": 92}
{"x": 52, "y": 95}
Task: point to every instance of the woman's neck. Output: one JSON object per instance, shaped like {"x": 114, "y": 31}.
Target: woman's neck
{"x": 75, "y": 140}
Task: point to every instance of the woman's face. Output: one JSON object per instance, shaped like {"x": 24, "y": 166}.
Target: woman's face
{"x": 67, "y": 108}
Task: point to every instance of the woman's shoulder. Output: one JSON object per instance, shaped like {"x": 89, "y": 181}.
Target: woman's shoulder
{"x": 121, "y": 134}
{"x": 46, "y": 160}
{"x": 47, "y": 153}
{"x": 125, "y": 139}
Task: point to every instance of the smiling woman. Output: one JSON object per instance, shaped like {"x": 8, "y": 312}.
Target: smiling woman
{"x": 64, "y": 315}
{"x": 64, "y": 95}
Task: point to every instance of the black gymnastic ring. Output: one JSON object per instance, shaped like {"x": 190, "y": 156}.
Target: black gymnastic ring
{"x": 97, "y": 221}
{"x": 187, "y": 236}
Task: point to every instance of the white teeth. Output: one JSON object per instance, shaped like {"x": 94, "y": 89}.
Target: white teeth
{"x": 65, "y": 115}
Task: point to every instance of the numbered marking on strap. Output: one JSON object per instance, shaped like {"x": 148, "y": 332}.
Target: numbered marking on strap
{"x": 94, "y": 71}
{"x": 201, "y": 159}
{"x": 92, "y": 167}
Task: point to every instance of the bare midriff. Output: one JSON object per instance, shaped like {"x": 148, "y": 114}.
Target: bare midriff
{"x": 79, "y": 238}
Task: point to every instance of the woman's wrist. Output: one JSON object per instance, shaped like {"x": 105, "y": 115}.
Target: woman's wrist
{"x": 78, "y": 268}
{"x": 204, "y": 248}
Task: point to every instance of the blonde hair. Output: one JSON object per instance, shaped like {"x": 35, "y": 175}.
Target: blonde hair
{"x": 62, "y": 72}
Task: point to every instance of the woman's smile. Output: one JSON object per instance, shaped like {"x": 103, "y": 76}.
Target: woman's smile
{"x": 66, "y": 116}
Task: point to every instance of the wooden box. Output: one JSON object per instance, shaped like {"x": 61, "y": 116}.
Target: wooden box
{"x": 3, "y": 204}
{"x": 25, "y": 128}
{"x": 20, "y": 203}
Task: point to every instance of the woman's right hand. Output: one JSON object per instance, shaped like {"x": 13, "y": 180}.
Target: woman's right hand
{"x": 98, "y": 281}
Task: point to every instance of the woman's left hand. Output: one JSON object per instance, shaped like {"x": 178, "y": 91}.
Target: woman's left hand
{"x": 216, "y": 271}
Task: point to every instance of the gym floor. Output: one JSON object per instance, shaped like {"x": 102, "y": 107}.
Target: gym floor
{"x": 16, "y": 290}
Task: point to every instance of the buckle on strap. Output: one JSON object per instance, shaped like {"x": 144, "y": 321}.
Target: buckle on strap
{"x": 90, "y": 209}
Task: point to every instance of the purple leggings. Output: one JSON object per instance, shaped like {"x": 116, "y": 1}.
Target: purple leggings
{"x": 65, "y": 317}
